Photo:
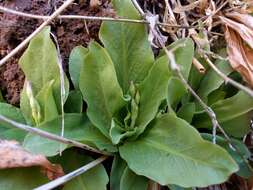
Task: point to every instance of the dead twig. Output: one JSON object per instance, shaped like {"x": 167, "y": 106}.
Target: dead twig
{"x": 198, "y": 66}
{"x": 27, "y": 40}
{"x": 82, "y": 17}
{"x": 68, "y": 177}
{"x": 226, "y": 78}
{"x": 50, "y": 136}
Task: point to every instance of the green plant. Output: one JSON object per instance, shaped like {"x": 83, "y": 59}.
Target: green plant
{"x": 138, "y": 111}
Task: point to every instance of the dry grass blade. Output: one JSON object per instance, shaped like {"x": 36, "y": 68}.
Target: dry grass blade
{"x": 68, "y": 177}
{"x": 50, "y": 136}
{"x": 240, "y": 55}
{"x": 14, "y": 156}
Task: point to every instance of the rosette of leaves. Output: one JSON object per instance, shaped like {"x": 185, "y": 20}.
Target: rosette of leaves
{"x": 137, "y": 111}
{"x": 125, "y": 89}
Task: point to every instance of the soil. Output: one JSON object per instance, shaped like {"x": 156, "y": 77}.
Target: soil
{"x": 70, "y": 33}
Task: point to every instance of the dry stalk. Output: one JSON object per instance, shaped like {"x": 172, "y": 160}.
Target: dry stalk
{"x": 50, "y": 136}
{"x": 70, "y": 176}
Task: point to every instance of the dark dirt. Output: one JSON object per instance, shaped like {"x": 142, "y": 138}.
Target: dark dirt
{"x": 70, "y": 33}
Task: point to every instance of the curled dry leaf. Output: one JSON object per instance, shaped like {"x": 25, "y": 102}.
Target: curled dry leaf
{"x": 240, "y": 55}
{"x": 239, "y": 37}
{"x": 245, "y": 19}
{"x": 14, "y": 156}
{"x": 244, "y": 31}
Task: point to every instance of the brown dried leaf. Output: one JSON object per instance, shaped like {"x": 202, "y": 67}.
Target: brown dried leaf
{"x": 245, "y": 32}
{"x": 14, "y": 156}
{"x": 240, "y": 55}
{"x": 245, "y": 19}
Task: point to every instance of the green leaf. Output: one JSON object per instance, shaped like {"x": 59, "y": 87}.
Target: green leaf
{"x": 7, "y": 131}
{"x": 118, "y": 167}
{"x": 39, "y": 63}
{"x": 233, "y": 114}
{"x": 94, "y": 179}
{"x": 153, "y": 91}
{"x": 212, "y": 81}
{"x": 77, "y": 127}
{"x": 100, "y": 88}
{"x": 74, "y": 103}
{"x": 76, "y": 60}
{"x": 128, "y": 46}
{"x": 47, "y": 102}
{"x": 173, "y": 152}
{"x": 243, "y": 151}
{"x": 186, "y": 111}
{"x": 119, "y": 133}
{"x": 176, "y": 91}
{"x": 131, "y": 181}
{"x": 21, "y": 178}
{"x": 184, "y": 53}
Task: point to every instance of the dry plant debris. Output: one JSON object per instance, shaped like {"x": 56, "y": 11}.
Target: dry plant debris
{"x": 13, "y": 155}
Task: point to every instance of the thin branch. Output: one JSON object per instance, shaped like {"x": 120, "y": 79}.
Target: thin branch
{"x": 50, "y": 136}
{"x": 226, "y": 78}
{"x": 198, "y": 66}
{"x": 70, "y": 176}
{"x": 94, "y": 18}
{"x": 27, "y": 40}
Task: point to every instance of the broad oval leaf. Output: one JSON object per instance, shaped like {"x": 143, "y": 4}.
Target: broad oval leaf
{"x": 100, "y": 88}
{"x": 127, "y": 45}
{"x": 153, "y": 91}
{"x": 244, "y": 153}
{"x": 233, "y": 114}
{"x": 40, "y": 65}
{"x": 77, "y": 127}
{"x": 173, "y": 152}
{"x": 76, "y": 60}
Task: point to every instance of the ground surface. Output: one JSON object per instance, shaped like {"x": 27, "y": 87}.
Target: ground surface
{"x": 70, "y": 33}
